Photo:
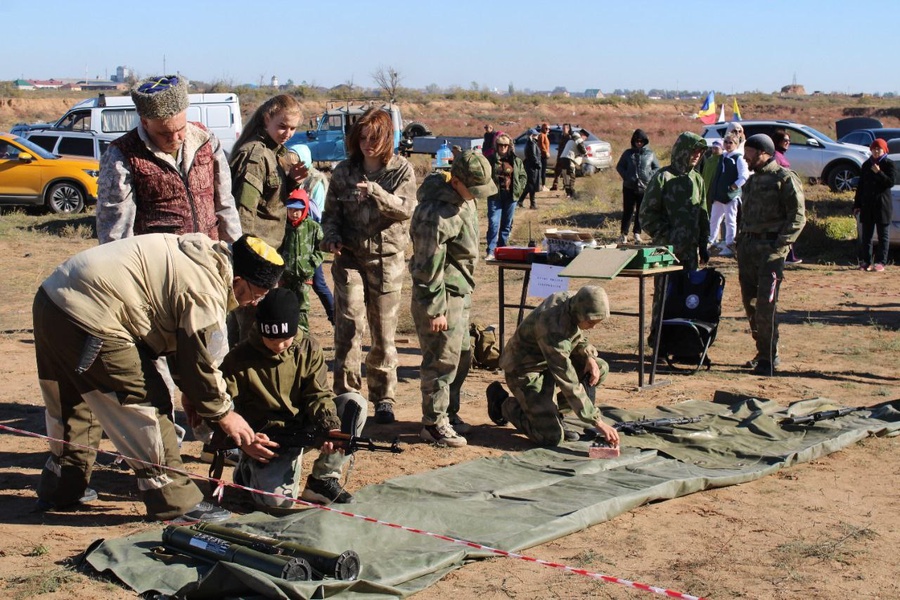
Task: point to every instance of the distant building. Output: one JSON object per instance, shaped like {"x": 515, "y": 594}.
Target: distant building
{"x": 123, "y": 74}
{"x": 100, "y": 85}
{"x": 592, "y": 93}
{"x": 274, "y": 81}
{"x": 22, "y": 84}
{"x": 46, "y": 84}
{"x": 560, "y": 91}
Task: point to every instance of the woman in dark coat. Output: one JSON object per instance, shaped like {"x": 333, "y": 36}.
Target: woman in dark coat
{"x": 873, "y": 206}
{"x": 635, "y": 166}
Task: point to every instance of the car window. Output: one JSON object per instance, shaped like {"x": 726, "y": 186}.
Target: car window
{"x": 76, "y": 146}
{"x": 554, "y": 136}
{"x": 118, "y": 121}
{"x": 32, "y": 148}
{"x": 8, "y": 151}
{"x": 104, "y": 144}
{"x": 862, "y": 138}
{"x": 799, "y": 138}
{"x": 218, "y": 116}
{"x": 76, "y": 121}
{"x": 521, "y": 139}
{"x": 47, "y": 142}
{"x": 896, "y": 172}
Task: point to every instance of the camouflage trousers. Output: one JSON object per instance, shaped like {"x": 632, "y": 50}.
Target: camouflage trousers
{"x": 122, "y": 394}
{"x": 532, "y": 406}
{"x": 283, "y": 475}
{"x": 446, "y": 358}
{"x": 760, "y": 272}
{"x": 567, "y": 166}
{"x": 366, "y": 291}
{"x": 301, "y": 290}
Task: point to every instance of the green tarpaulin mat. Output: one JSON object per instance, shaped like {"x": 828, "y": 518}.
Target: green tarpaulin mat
{"x": 511, "y": 502}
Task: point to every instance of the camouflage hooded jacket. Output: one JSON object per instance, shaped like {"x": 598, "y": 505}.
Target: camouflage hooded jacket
{"x": 674, "y": 206}
{"x": 445, "y": 246}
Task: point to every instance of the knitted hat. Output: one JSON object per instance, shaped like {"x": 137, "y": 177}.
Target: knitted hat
{"x": 161, "y": 97}
{"x": 256, "y": 262}
{"x": 879, "y": 143}
{"x": 762, "y": 143}
{"x": 474, "y": 171}
{"x": 278, "y": 313}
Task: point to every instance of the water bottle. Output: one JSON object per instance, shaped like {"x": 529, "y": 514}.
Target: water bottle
{"x": 444, "y": 156}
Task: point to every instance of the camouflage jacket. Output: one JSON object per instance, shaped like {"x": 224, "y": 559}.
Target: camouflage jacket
{"x": 445, "y": 246}
{"x": 287, "y": 390}
{"x": 260, "y": 187}
{"x": 674, "y": 207}
{"x": 300, "y": 250}
{"x": 547, "y": 340}
{"x": 378, "y": 225}
{"x": 773, "y": 202}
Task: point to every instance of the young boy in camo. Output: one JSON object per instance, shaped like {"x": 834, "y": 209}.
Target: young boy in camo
{"x": 445, "y": 249}
{"x": 278, "y": 380}
{"x": 300, "y": 250}
{"x": 549, "y": 351}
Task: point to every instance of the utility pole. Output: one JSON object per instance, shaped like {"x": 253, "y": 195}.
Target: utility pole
{"x": 164, "y": 65}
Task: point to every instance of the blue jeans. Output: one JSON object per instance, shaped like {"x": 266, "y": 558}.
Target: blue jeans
{"x": 320, "y": 287}
{"x": 500, "y": 220}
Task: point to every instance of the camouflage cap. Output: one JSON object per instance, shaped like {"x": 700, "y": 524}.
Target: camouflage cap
{"x": 474, "y": 171}
{"x": 590, "y": 303}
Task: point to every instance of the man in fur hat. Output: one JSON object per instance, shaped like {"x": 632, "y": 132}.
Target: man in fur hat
{"x": 167, "y": 175}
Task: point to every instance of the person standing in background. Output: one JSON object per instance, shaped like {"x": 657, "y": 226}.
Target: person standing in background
{"x": 509, "y": 177}
{"x": 872, "y": 205}
{"x": 544, "y": 144}
{"x": 782, "y": 141}
{"x": 635, "y": 166}
{"x": 532, "y": 169}
{"x": 731, "y": 175}
{"x": 564, "y": 138}
{"x": 487, "y": 144}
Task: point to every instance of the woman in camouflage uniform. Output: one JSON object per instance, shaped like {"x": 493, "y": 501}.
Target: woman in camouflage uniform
{"x": 366, "y": 225}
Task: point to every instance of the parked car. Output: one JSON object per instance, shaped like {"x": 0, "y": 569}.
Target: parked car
{"x": 865, "y": 137}
{"x": 83, "y": 144}
{"x": 812, "y": 154}
{"x": 24, "y": 128}
{"x": 599, "y": 153}
{"x": 894, "y": 230}
{"x": 31, "y": 176}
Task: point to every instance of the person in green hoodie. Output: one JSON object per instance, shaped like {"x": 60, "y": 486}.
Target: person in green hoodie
{"x": 445, "y": 249}
{"x": 674, "y": 211}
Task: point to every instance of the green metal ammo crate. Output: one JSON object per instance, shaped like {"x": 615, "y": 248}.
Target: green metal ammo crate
{"x": 649, "y": 257}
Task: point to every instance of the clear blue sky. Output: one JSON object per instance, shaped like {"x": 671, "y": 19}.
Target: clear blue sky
{"x": 729, "y": 47}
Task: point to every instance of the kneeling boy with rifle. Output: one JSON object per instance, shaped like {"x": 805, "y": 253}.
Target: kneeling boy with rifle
{"x": 278, "y": 380}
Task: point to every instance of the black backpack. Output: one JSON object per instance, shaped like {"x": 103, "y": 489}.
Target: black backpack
{"x": 691, "y": 317}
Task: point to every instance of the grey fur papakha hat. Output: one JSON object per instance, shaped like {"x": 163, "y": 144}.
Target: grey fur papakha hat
{"x": 161, "y": 97}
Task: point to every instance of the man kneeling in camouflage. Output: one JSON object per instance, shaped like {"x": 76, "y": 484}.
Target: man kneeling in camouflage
{"x": 549, "y": 350}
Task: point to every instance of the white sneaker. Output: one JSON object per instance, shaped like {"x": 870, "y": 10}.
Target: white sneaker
{"x": 638, "y": 239}
{"x": 442, "y": 433}
{"x": 623, "y": 239}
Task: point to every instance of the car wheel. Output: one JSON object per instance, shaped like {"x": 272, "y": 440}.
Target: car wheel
{"x": 416, "y": 130}
{"x": 65, "y": 198}
{"x": 839, "y": 177}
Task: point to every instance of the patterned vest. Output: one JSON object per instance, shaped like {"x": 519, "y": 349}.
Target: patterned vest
{"x": 167, "y": 203}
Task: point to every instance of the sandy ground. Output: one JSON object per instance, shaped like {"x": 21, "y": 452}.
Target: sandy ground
{"x": 826, "y": 529}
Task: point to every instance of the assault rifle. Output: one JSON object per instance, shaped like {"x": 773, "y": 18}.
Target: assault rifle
{"x": 345, "y": 439}
{"x": 642, "y": 426}
{"x": 822, "y": 415}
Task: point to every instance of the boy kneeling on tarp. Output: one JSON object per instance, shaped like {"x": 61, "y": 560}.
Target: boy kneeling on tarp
{"x": 278, "y": 380}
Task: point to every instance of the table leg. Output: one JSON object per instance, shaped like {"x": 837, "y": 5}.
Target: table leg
{"x": 641, "y": 356}
{"x": 662, "y": 304}
{"x": 523, "y": 297}
{"x": 501, "y": 275}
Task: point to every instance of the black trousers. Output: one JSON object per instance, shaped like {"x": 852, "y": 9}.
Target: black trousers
{"x": 631, "y": 206}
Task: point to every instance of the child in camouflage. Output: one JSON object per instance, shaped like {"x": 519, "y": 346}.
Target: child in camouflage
{"x": 300, "y": 250}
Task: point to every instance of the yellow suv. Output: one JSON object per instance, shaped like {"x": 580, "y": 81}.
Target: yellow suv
{"x": 29, "y": 175}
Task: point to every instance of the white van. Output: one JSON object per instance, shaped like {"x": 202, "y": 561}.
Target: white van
{"x": 220, "y": 113}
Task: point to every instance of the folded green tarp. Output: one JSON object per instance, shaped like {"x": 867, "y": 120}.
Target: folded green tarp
{"x": 510, "y": 502}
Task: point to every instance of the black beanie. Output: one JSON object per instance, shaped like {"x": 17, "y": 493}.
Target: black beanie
{"x": 256, "y": 262}
{"x": 278, "y": 313}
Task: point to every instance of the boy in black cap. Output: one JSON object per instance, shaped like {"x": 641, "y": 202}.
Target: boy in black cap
{"x": 278, "y": 380}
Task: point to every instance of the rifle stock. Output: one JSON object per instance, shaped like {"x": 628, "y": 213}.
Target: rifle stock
{"x": 822, "y": 415}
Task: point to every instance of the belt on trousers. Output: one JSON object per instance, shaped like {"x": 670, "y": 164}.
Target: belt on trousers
{"x": 762, "y": 236}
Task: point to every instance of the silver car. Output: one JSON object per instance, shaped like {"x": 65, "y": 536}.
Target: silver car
{"x": 812, "y": 154}
{"x": 83, "y": 144}
{"x": 599, "y": 153}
